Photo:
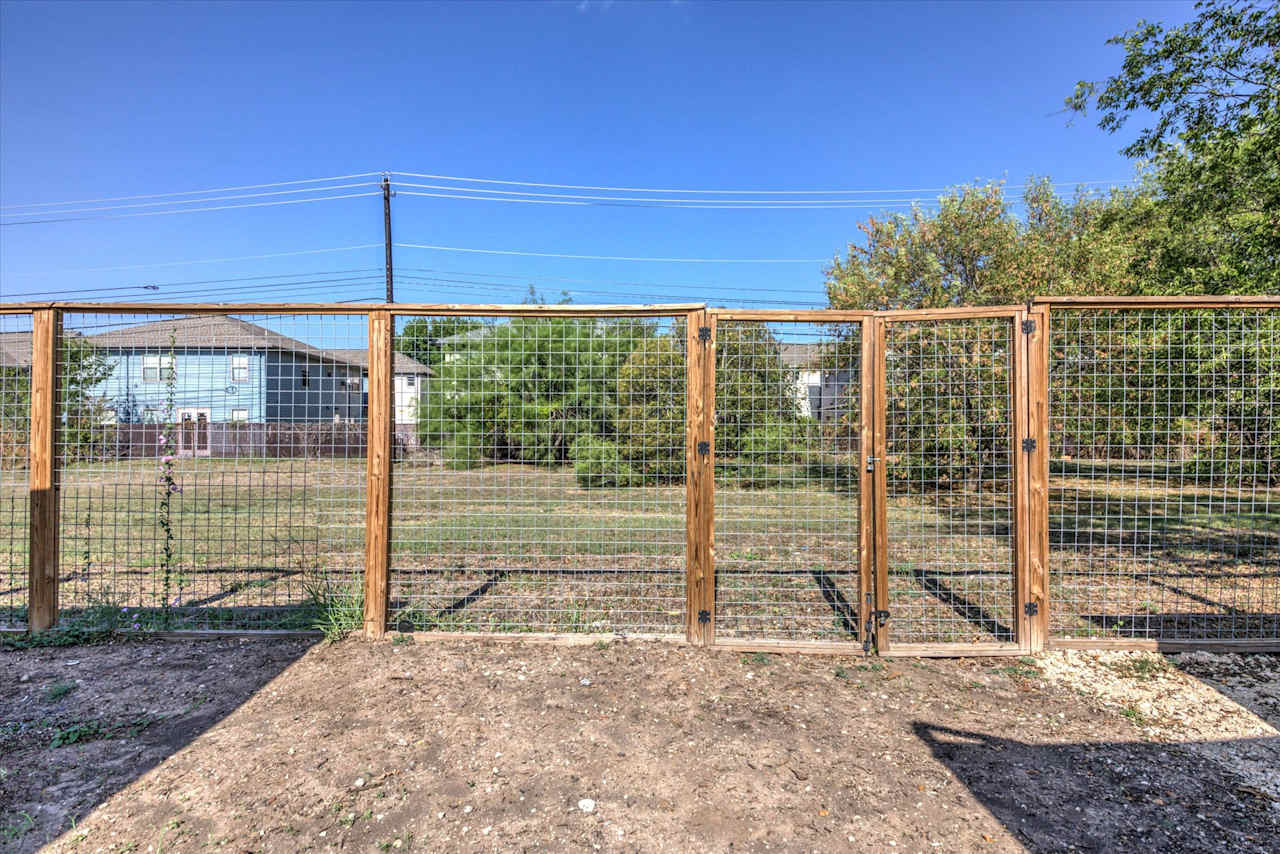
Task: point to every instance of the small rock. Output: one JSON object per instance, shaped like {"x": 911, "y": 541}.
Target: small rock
{"x": 359, "y": 782}
{"x": 587, "y": 805}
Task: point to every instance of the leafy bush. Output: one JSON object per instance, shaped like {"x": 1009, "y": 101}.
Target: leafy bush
{"x": 598, "y": 463}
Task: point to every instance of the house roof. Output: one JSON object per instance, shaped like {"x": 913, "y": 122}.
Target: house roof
{"x": 221, "y": 331}
{"x": 15, "y": 349}
{"x": 403, "y": 364}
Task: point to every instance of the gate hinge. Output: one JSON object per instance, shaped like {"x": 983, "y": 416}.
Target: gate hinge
{"x": 704, "y": 617}
{"x": 1031, "y": 609}
{"x": 881, "y": 617}
{"x": 704, "y": 333}
{"x": 1028, "y": 326}
{"x": 704, "y": 448}
{"x": 1028, "y": 445}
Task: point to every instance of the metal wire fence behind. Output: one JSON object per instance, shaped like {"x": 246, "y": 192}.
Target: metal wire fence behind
{"x": 1165, "y": 474}
{"x": 539, "y": 485}
{"x": 950, "y": 480}
{"x": 15, "y": 439}
{"x": 788, "y": 411}
{"x": 212, "y": 468}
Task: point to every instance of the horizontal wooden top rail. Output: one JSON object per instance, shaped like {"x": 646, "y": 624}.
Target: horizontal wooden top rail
{"x": 362, "y": 308}
{"x": 1266, "y": 301}
{"x": 814, "y": 315}
{"x": 962, "y": 313}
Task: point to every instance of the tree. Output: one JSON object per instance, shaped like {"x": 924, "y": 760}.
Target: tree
{"x": 1212, "y": 90}
{"x": 974, "y": 251}
{"x": 423, "y": 338}
{"x": 525, "y": 390}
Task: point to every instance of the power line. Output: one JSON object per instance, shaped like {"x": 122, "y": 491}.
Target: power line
{"x": 698, "y": 286}
{"x": 744, "y": 202}
{"x": 711, "y": 192}
{"x": 188, "y": 210}
{"x": 614, "y": 257}
{"x": 678, "y": 204}
{"x": 155, "y": 285}
{"x": 203, "y": 200}
{"x": 193, "y": 262}
{"x": 192, "y": 192}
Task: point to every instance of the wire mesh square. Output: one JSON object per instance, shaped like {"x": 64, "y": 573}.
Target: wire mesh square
{"x": 788, "y": 405}
{"x": 538, "y": 482}
{"x": 1165, "y": 474}
{"x": 950, "y": 480}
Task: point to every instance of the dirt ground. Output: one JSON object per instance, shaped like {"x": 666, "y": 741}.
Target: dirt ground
{"x": 288, "y": 745}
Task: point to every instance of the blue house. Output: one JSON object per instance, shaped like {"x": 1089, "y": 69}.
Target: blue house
{"x": 204, "y": 371}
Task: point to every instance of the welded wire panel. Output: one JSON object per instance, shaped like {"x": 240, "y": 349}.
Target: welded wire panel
{"x": 15, "y": 441}
{"x": 950, "y": 480}
{"x": 1165, "y": 474}
{"x": 212, "y": 469}
{"x": 538, "y": 484}
{"x": 787, "y": 440}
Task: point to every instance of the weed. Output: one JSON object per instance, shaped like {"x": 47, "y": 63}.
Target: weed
{"x": 402, "y": 639}
{"x": 1018, "y": 671}
{"x": 1028, "y": 660}
{"x": 602, "y": 644}
{"x": 79, "y": 734}
{"x": 339, "y": 609}
{"x": 841, "y": 673}
{"x": 1137, "y": 717}
{"x": 760, "y": 658}
{"x": 874, "y": 666}
{"x": 58, "y": 690}
{"x": 10, "y": 832}
{"x": 1142, "y": 668}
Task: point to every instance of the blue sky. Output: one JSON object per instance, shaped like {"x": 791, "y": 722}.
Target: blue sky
{"x": 100, "y": 100}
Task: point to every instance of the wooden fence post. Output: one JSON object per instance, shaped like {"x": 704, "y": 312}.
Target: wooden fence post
{"x": 867, "y": 477}
{"x": 1038, "y": 478}
{"x": 880, "y": 444}
{"x": 377, "y": 529}
{"x": 42, "y": 610}
{"x": 700, "y": 574}
{"x": 1021, "y": 452}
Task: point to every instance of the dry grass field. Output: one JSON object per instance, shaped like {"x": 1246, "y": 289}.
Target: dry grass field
{"x": 270, "y": 544}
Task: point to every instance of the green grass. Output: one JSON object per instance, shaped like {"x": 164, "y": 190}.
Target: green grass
{"x": 58, "y": 690}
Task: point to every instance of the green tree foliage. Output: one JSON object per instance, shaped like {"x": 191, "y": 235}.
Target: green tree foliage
{"x": 975, "y": 251}
{"x": 424, "y": 339}
{"x": 1210, "y": 90}
{"x": 81, "y": 369}
{"x": 524, "y": 390}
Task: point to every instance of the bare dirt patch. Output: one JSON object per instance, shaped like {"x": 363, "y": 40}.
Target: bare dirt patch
{"x": 272, "y": 745}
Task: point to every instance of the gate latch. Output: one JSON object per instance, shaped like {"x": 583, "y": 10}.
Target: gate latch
{"x": 871, "y": 463}
{"x": 1031, "y": 609}
{"x": 704, "y": 333}
{"x": 704, "y": 448}
{"x": 704, "y": 617}
{"x": 1028, "y": 445}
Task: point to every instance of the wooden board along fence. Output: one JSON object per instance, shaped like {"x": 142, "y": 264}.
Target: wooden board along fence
{"x": 984, "y": 481}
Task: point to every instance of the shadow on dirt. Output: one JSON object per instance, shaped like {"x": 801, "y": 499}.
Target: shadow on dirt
{"x": 121, "y": 708}
{"x": 1100, "y": 796}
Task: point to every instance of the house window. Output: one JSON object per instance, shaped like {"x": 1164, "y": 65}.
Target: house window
{"x": 410, "y": 380}
{"x": 304, "y": 378}
{"x": 150, "y": 416}
{"x": 157, "y": 368}
{"x": 239, "y": 415}
{"x": 239, "y": 369}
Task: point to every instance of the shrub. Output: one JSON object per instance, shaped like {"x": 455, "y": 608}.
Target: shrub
{"x": 598, "y": 463}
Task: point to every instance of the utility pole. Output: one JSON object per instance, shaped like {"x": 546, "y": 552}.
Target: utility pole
{"x": 386, "y": 230}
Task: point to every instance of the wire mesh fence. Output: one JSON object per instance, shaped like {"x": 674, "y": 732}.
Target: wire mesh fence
{"x": 15, "y": 439}
{"x": 211, "y": 472}
{"x": 1165, "y": 474}
{"x": 950, "y": 484}
{"x": 788, "y": 405}
{"x": 540, "y": 484}
{"x": 211, "y": 468}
